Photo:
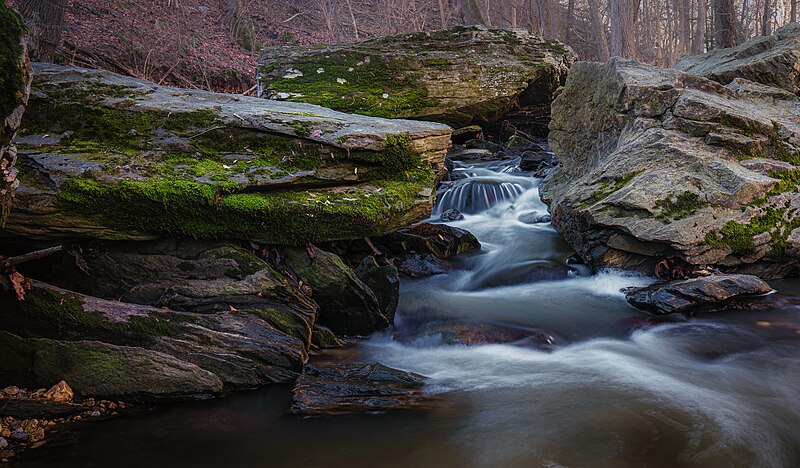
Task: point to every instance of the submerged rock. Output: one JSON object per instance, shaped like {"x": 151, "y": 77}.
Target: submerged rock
{"x": 451, "y": 215}
{"x": 384, "y": 281}
{"x": 771, "y": 60}
{"x": 15, "y": 77}
{"x": 460, "y": 76}
{"x": 112, "y": 157}
{"x": 696, "y": 293}
{"x": 331, "y": 389}
{"x": 656, "y": 168}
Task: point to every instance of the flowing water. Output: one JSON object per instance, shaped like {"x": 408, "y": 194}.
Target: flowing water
{"x": 599, "y": 385}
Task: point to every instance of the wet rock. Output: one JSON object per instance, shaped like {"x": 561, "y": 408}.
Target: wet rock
{"x": 440, "y": 240}
{"x": 144, "y": 160}
{"x": 464, "y": 134}
{"x": 347, "y": 305}
{"x": 384, "y": 281}
{"x": 3, "y": 443}
{"x": 461, "y": 76}
{"x": 19, "y": 436}
{"x": 484, "y": 145}
{"x": 668, "y": 178}
{"x": 535, "y": 160}
{"x": 520, "y": 144}
{"x": 416, "y": 265}
{"x": 323, "y": 337}
{"x": 332, "y": 389}
{"x": 461, "y": 154}
{"x": 474, "y": 333}
{"x": 696, "y": 293}
{"x": 534, "y": 218}
{"x": 60, "y": 392}
{"x": 771, "y": 60}
{"x": 451, "y": 215}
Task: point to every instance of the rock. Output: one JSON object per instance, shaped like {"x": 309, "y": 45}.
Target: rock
{"x": 28, "y": 408}
{"x": 347, "y": 305}
{"x": 3, "y": 443}
{"x": 19, "y": 436}
{"x": 451, "y": 215}
{"x": 440, "y": 240}
{"x": 332, "y": 389}
{"x": 696, "y": 293}
{"x": 323, "y": 337}
{"x": 189, "y": 275}
{"x": 15, "y": 77}
{"x": 459, "y": 154}
{"x": 461, "y": 76}
{"x": 384, "y": 281}
{"x": 90, "y": 343}
{"x": 653, "y": 170}
{"x": 772, "y": 60}
{"x": 534, "y": 218}
{"x": 60, "y": 392}
{"x": 415, "y": 265}
{"x": 520, "y": 145}
{"x": 534, "y": 160}
{"x": 125, "y": 159}
{"x": 11, "y": 391}
{"x": 464, "y": 134}
{"x": 474, "y": 334}
{"x": 484, "y": 145}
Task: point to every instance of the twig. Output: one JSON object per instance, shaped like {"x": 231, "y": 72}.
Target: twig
{"x": 218, "y": 127}
{"x": 292, "y": 17}
{"x": 11, "y": 262}
{"x": 250, "y": 90}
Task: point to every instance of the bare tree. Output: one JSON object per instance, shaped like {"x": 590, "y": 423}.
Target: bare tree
{"x": 599, "y": 30}
{"x": 700, "y": 31}
{"x": 45, "y": 20}
{"x": 623, "y": 20}
{"x": 765, "y": 20}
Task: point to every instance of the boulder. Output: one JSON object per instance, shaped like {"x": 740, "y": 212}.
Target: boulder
{"x": 104, "y": 156}
{"x": 656, "y": 166}
{"x": 461, "y": 76}
{"x": 440, "y": 240}
{"x": 384, "y": 280}
{"x": 331, "y": 389}
{"x": 696, "y": 293}
{"x": 188, "y": 275}
{"x": 15, "y": 81}
{"x": 772, "y": 60}
{"x": 97, "y": 339}
{"x": 347, "y": 305}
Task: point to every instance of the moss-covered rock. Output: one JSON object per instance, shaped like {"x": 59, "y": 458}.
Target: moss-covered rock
{"x": 460, "y": 76}
{"x": 669, "y": 164}
{"x": 111, "y": 157}
{"x": 15, "y": 80}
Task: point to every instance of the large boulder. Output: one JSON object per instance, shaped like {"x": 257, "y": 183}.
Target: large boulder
{"x": 659, "y": 163}
{"x": 15, "y": 81}
{"x": 99, "y": 341}
{"x": 771, "y": 60}
{"x": 112, "y": 157}
{"x": 347, "y": 305}
{"x": 459, "y": 76}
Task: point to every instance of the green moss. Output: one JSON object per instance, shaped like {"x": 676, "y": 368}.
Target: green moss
{"x": 608, "y": 187}
{"x": 12, "y": 29}
{"x": 673, "y": 208}
{"x": 787, "y": 182}
{"x": 739, "y": 236}
{"x": 288, "y": 322}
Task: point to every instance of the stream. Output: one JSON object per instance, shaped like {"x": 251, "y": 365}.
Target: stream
{"x": 592, "y": 381}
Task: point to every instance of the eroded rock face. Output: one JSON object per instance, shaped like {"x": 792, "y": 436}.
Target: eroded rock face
{"x": 331, "y": 389}
{"x": 111, "y": 157}
{"x": 15, "y": 81}
{"x": 459, "y": 76}
{"x": 772, "y": 60}
{"x": 696, "y": 293}
{"x": 107, "y": 347}
{"x": 659, "y": 163}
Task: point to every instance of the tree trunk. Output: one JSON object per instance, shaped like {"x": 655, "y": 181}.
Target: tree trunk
{"x": 599, "y": 30}
{"x": 569, "y": 24}
{"x": 443, "y": 13}
{"x": 685, "y": 27}
{"x": 765, "y": 21}
{"x": 45, "y": 26}
{"x": 623, "y": 14}
{"x": 724, "y": 24}
{"x": 793, "y": 12}
{"x": 700, "y": 31}
{"x": 353, "y": 19}
{"x": 241, "y": 25}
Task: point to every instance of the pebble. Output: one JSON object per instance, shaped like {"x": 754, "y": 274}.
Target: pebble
{"x": 3, "y": 443}
{"x": 11, "y": 391}
{"x": 19, "y": 436}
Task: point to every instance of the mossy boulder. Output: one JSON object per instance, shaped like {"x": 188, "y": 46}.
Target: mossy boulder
{"x": 460, "y": 76}
{"x": 15, "y": 81}
{"x": 241, "y": 346}
{"x": 663, "y": 163}
{"x": 111, "y": 157}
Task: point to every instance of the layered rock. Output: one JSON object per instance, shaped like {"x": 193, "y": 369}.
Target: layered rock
{"x": 15, "y": 80}
{"x": 459, "y": 77}
{"x": 659, "y": 163}
{"x": 111, "y": 157}
{"x": 694, "y": 294}
{"x": 771, "y": 60}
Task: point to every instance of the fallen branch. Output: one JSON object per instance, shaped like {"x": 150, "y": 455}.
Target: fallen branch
{"x": 11, "y": 262}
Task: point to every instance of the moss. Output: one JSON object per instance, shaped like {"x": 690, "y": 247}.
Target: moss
{"x": 608, "y": 187}
{"x": 673, "y": 208}
{"x": 12, "y": 29}
{"x": 739, "y": 236}
{"x": 787, "y": 182}
{"x": 288, "y": 322}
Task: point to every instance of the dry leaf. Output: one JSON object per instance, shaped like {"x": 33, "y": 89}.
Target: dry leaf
{"x": 20, "y": 284}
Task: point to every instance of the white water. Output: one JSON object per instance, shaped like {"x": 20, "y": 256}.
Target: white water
{"x": 698, "y": 393}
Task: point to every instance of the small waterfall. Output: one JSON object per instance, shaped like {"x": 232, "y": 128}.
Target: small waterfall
{"x": 476, "y": 194}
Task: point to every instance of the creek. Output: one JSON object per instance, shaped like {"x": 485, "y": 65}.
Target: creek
{"x": 591, "y": 381}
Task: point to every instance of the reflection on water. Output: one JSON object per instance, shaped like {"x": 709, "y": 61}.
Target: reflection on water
{"x": 617, "y": 390}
